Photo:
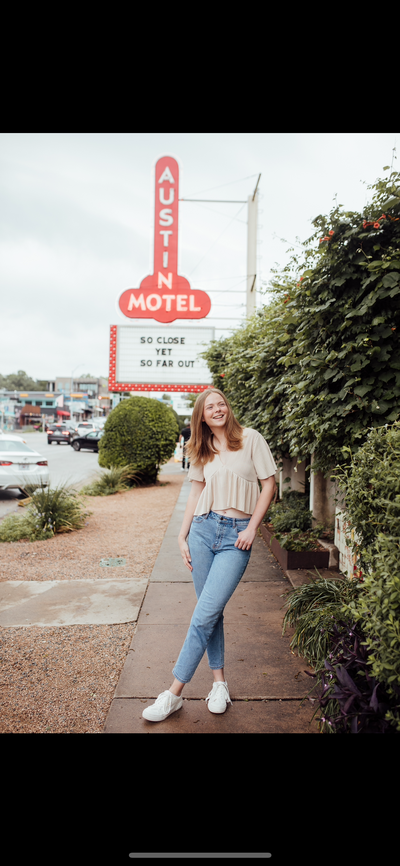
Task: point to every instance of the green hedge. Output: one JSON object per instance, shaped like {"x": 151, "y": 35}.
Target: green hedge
{"x": 319, "y": 365}
{"x": 371, "y": 485}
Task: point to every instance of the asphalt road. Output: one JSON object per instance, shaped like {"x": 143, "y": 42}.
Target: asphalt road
{"x": 66, "y": 466}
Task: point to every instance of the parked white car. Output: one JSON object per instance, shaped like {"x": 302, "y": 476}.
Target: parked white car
{"x": 11, "y": 436}
{"x": 20, "y": 465}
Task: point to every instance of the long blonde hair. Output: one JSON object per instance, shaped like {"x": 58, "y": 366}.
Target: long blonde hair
{"x": 200, "y": 448}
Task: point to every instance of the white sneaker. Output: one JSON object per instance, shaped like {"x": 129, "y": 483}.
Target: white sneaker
{"x": 218, "y": 698}
{"x": 165, "y": 704}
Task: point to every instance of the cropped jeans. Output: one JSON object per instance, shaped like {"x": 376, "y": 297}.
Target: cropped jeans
{"x": 218, "y": 566}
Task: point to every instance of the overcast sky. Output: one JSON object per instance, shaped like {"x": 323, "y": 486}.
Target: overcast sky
{"x": 77, "y": 215}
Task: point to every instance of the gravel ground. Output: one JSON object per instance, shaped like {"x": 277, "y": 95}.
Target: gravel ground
{"x": 62, "y": 679}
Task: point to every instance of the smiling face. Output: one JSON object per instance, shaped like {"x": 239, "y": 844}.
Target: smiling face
{"x": 215, "y": 411}
{"x": 213, "y": 417}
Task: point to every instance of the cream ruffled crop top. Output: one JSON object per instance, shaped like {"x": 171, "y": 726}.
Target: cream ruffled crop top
{"x": 232, "y": 482}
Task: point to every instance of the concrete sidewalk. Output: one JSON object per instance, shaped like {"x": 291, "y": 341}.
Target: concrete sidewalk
{"x": 266, "y": 682}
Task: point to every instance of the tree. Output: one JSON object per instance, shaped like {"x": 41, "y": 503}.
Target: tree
{"x": 20, "y": 382}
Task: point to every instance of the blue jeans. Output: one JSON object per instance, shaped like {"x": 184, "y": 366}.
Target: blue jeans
{"x": 218, "y": 567}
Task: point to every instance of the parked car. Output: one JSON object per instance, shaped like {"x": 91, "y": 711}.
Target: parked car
{"x": 88, "y": 440}
{"x": 59, "y": 433}
{"x": 11, "y": 436}
{"x": 20, "y": 465}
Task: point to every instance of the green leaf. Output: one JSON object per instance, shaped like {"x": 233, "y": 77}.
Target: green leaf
{"x": 359, "y": 364}
{"x": 391, "y": 202}
{"x": 391, "y": 279}
{"x": 361, "y": 390}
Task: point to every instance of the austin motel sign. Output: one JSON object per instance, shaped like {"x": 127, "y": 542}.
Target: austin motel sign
{"x": 163, "y": 296}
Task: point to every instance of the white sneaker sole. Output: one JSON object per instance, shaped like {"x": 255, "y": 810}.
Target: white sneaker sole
{"x": 215, "y": 710}
{"x": 156, "y": 717}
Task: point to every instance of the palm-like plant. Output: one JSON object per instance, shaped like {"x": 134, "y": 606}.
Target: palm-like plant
{"x": 50, "y": 511}
{"x": 114, "y": 480}
{"x": 313, "y": 610}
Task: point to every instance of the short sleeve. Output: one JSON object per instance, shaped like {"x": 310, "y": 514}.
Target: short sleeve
{"x": 263, "y": 460}
{"x": 196, "y": 472}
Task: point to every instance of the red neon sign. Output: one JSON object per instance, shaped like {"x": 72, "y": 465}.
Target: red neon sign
{"x": 164, "y": 295}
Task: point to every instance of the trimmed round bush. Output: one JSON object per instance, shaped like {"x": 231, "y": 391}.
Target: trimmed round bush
{"x": 141, "y": 432}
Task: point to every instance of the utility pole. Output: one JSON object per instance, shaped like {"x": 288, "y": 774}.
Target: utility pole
{"x": 252, "y": 209}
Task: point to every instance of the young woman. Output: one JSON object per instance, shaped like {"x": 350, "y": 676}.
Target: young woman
{"x": 223, "y": 512}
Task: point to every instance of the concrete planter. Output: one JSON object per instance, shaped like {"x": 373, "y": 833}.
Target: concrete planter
{"x": 290, "y": 559}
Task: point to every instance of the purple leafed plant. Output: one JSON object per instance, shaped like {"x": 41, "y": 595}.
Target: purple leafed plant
{"x": 351, "y": 701}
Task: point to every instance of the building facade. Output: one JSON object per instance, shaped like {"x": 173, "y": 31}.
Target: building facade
{"x": 88, "y": 398}
{"x": 25, "y": 408}
{"x": 85, "y": 397}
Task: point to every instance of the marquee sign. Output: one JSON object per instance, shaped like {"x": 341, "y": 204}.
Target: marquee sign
{"x": 155, "y": 358}
{"x": 164, "y": 295}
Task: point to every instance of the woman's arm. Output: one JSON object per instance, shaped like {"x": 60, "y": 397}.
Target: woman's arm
{"x": 196, "y": 489}
{"x": 245, "y": 539}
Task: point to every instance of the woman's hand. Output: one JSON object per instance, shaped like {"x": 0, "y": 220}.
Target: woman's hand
{"x": 245, "y": 539}
{"x": 185, "y": 553}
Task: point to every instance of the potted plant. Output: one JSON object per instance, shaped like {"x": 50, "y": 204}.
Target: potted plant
{"x": 287, "y": 529}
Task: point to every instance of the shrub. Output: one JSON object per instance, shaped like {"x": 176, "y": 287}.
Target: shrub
{"x": 115, "y": 480}
{"x": 141, "y": 432}
{"x": 290, "y": 514}
{"x": 377, "y": 610}
{"x": 352, "y": 701}
{"x": 296, "y": 540}
{"x": 51, "y": 510}
{"x": 15, "y": 527}
{"x": 317, "y": 366}
{"x": 313, "y": 610}
{"x": 371, "y": 485}
{"x": 291, "y": 521}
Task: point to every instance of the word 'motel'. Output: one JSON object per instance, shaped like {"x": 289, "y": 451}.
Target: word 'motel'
{"x": 164, "y": 295}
